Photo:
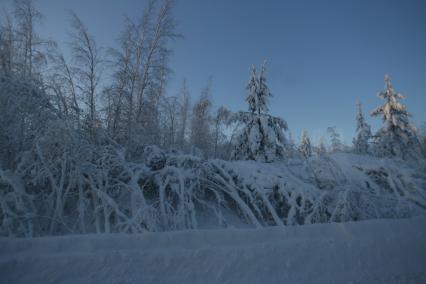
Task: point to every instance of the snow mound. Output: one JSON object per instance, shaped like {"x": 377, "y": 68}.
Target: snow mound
{"x": 374, "y": 251}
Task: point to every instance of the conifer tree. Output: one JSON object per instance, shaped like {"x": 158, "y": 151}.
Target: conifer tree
{"x": 262, "y": 135}
{"x": 305, "y": 145}
{"x": 336, "y": 144}
{"x": 321, "y": 149}
{"x": 363, "y": 132}
{"x": 397, "y": 137}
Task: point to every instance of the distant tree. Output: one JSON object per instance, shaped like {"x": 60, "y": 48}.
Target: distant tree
{"x": 363, "y": 132}
{"x": 62, "y": 81}
{"x": 219, "y": 120}
{"x": 422, "y": 132}
{"x": 170, "y": 108}
{"x": 397, "y": 137}
{"x": 184, "y": 115}
{"x": 290, "y": 140}
{"x": 336, "y": 144}
{"x": 305, "y": 147}
{"x": 7, "y": 45}
{"x": 262, "y": 136}
{"x": 321, "y": 149}
{"x": 201, "y": 133}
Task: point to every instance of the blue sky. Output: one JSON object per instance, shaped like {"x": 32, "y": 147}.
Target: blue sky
{"x": 322, "y": 55}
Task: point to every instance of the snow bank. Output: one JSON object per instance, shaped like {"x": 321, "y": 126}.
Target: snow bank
{"x": 374, "y": 251}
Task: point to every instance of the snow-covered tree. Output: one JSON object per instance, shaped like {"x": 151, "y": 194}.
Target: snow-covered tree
{"x": 87, "y": 56}
{"x": 262, "y": 135}
{"x": 7, "y": 45}
{"x": 201, "y": 134}
{"x": 61, "y": 81}
{"x": 258, "y": 92}
{"x": 305, "y": 144}
{"x": 184, "y": 114}
{"x": 336, "y": 144}
{"x": 423, "y": 137}
{"x": 22, "y": 51}
{"x": 290, "y": 140}
{"x": 363, "y": 132}
{"x": 170, "y": 109}
{"x": 219, "y": 120}
{"x": 397, "y": 137}
{"x": 252, "y": 87}
{"x": 24, "y": 110}
{"x": 321, "y": 149}
{"x": 263, "y": 94}
{"x": 140, "y": 75}
{"x": 30, "y": 44}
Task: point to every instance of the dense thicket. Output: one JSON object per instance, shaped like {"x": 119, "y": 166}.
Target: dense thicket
{"x": 82, "y": 152}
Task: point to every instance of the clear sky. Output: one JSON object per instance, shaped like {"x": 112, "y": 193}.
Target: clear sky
{"x": 322, "y": 55}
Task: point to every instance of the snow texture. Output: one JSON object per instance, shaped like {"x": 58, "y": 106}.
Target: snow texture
{"x": 376, "y": 251}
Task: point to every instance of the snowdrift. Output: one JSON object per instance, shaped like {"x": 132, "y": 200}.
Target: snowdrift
{"x": 374, "y": 251}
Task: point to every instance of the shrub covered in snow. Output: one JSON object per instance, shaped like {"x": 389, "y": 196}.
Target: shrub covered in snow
{"x": 24, "y": 110}
{"x": 63, "y": 185}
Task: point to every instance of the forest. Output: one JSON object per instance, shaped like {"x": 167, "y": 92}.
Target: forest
{"x": 90, "y": 142}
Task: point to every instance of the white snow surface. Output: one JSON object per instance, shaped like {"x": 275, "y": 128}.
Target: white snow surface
{"x": 372, "y": 251}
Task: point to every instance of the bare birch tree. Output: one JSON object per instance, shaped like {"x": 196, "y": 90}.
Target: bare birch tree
{"x": 87, "y": 59}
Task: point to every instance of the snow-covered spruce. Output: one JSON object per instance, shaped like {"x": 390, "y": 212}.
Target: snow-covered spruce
{"x": 363, "y": 132}
{"x": 320, "y": 149}
{"x": 336, "y": 143}
{"x": 262, "y": 136}
{"x": 398, "y": 136}
{"x": 305, "y": 147}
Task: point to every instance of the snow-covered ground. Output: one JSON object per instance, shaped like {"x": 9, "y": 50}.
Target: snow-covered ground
{"x": 373, "y": 251}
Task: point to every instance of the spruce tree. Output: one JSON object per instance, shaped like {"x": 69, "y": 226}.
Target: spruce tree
{"x": 252, "y": 87}
{"x": 262, "y": 135}
{"x": 397, "y": 137}
{"x": 321, "y": 149}
{"x": 336, "y": 144}
{"x": 363, "y": 132}
{"x": 305, "y": 144}
{"x": 263, "y": 93}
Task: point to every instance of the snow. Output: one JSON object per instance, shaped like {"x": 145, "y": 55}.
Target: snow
{"x": 363, "y": 132}
{"x": 374, "y": 251}
{"x": 339, "y": 187}
{"x": 397, "y": 137}
{"x": 261, "y": 137}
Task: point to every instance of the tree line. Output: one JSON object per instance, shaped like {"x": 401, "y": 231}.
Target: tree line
{"x": 84, "y": 151}
{"x": 131, "y": 108}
